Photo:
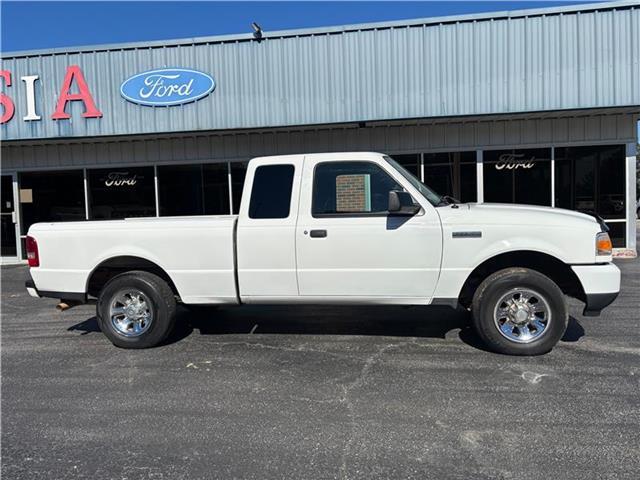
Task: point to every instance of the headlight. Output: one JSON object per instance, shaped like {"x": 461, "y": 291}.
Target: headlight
{"x": 603, "y": 244}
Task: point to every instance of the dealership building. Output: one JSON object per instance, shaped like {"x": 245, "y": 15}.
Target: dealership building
{"x": 533, "y": 106}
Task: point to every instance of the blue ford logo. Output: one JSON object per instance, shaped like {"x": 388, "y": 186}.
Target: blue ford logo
{"x": 167, "y": 86}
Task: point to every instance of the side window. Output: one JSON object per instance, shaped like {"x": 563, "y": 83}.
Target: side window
{"x": 271, "y": 191}
{"x": 351, "y": 188}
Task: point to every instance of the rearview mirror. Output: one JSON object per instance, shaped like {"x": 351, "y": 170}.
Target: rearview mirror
{"x": 401, "y": 203}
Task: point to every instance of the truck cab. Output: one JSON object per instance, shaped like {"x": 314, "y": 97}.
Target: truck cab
{"x": 317, "y": 229}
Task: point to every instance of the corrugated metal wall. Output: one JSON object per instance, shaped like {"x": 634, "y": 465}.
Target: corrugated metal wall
{"x": 389, "y": 139}
{"x": 545, "y": 62}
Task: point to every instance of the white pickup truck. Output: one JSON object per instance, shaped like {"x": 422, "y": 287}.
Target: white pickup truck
{"x": 335, "y": 228}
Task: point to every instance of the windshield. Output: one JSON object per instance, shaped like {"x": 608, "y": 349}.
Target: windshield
{"x": 430, "y": 195}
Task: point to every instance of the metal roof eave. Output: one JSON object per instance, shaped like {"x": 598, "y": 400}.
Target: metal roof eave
{"x": 472, "y": 118}
{"x": 485, "y": 16}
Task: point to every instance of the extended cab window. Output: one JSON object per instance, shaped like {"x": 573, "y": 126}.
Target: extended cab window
{"x": 271, "y": 191}
{"x": 351, "y": 188}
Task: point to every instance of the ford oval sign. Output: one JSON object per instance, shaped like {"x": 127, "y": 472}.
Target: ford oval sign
{"x": 167, "y": 86}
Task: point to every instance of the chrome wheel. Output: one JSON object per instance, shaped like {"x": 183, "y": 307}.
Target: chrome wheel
{"x": 522, "y": 315}
{"x": 130, "y": 312}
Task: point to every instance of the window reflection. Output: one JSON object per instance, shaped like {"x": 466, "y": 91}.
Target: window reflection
{"x": 518, "y": 176}
{"x": 351, "y": 187}
{"x": 117, "y": 193}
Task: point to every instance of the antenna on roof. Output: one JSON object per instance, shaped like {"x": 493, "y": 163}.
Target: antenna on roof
{"x": 257, "y": 31}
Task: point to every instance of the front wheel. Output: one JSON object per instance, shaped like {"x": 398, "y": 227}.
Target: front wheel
{"x": 518, "y": 311}
{"x": 136, "y": 310}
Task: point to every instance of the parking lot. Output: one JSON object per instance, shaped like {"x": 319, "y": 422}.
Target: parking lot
{"x": 316, "y": 393}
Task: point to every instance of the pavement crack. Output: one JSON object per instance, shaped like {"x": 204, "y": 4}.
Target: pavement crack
{"x": 300, "y": 349}
{"x": 316, "y": 400}
{"x": 533, "y": 377}
{"x": 346, "y": 399}
{"x": 599, "y": 346}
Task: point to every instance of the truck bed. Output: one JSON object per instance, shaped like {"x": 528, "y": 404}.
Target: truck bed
{"x": 196, "y": 252}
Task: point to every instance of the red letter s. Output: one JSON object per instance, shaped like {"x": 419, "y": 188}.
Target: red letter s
{"x": 7, "y": 103}
{"x": 90, "y": 110}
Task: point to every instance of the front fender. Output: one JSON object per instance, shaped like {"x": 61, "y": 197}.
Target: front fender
{"x": 462, "y": 255}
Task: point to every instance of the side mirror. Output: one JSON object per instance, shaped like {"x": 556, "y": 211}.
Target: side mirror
{"x": 401, "y": 203}
{"x": 394, "y": 202}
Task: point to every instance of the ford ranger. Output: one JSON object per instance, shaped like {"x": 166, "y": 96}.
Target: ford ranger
{"x": 335, "y": 228}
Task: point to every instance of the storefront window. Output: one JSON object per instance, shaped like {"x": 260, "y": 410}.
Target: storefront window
{"x": 518, "y": 176}
{"x": 410, "y": 162}
{"x": 618, "y": 233}
{"x": 193, "y": 190}
{"x": 452, "y": 174}
{"x": 468, "y": 184}
{"x": 180, "y": 190}
{"x": 121, "y": 192}
{"x": 238, "y": 174}
{"x": 592, "y": 179}
{"x": 51, "y": 197}
{"x": 216, "y": 189}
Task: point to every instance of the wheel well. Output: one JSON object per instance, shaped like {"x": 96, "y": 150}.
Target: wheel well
{"x": 548, "y": 265}
{"x": 108, "y": 269}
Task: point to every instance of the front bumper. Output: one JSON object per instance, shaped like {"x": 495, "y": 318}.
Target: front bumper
{"x": 601, "y": 285}
{"x": 596, "y": 302}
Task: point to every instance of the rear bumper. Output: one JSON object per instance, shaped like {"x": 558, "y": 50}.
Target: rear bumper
{"x": 31, "y": 288}
{"x": 34, "y": 292}
{"x": 601, "y": 285}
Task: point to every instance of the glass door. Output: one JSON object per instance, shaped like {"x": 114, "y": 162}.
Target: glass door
{"x": 9, "y": 218}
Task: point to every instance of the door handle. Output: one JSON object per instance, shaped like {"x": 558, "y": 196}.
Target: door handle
{"x": 318, "y": 233}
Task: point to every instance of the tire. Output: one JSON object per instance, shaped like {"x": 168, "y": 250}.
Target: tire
{"x": 518, "y": 311}
{"x": 148, "y": 300}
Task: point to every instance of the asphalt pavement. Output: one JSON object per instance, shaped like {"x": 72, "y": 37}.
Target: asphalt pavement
{"x": 306, "y": 393}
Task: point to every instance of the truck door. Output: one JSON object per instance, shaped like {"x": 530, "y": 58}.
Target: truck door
{"x": 348, "y": 245}
{"x": 266, "y": 253}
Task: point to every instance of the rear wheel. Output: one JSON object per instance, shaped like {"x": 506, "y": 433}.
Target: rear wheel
{"x": 518, "y": 311}
{"x": 136, "y": 310}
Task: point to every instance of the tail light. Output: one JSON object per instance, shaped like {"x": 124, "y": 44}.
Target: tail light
{"x": 32, "y": 252}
